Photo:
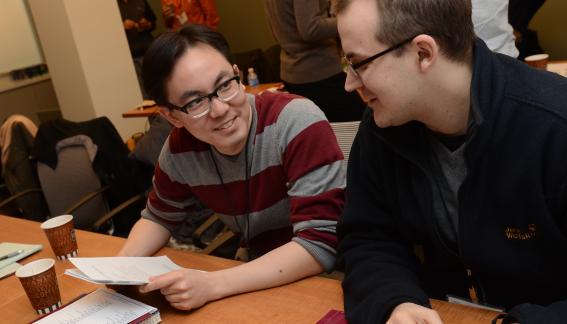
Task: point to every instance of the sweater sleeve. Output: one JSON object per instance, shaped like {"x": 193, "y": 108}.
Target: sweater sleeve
{"x": 380, "y": 268}
{"x": 313, "y": 164}
{"x": 313, "y": 23}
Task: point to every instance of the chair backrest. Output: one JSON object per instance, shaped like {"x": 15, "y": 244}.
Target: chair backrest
{"x": 345, "y": 133}
{"x": 72, "y": 179}
{"x": 272, "y": 54}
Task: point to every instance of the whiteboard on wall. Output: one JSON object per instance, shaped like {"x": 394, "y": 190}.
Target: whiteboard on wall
{"x": 19, "y": 47}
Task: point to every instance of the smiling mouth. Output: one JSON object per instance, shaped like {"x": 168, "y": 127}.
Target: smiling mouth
{"x": 226, "y": 125}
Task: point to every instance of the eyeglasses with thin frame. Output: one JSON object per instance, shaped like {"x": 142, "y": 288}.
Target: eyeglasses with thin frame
{"x": 201, "y": 106}
{"x": 352, "y": 67}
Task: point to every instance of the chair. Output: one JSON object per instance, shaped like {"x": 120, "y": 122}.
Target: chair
{"x": 219, "y": 240}
{"x": 67, "y": 173}
{"x": 345, "y": 133}
{"x": 74, "y": 188}
{"x": 272, "y": 54}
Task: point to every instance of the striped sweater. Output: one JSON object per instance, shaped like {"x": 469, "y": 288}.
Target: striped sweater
{"x": 293, "y": 188}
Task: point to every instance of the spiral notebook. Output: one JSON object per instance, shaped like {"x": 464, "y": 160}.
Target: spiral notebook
{"x": 103, "y": 306}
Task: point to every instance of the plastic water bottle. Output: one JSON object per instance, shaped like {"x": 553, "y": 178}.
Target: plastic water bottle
{"x": 252, "y": 78}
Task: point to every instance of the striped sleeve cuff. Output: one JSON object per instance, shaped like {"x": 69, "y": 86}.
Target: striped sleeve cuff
{"x": 325, "y": 257}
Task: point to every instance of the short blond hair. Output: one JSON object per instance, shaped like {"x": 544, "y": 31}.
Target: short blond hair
{"x": 448, "y": 21}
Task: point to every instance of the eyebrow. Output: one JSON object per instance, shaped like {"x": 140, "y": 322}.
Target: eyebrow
{"x": 191, "y": 93}
{"x": 351, "y": 55}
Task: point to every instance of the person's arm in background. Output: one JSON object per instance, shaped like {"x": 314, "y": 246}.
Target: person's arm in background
{"x": 313, "y": 22}
{"x": 212, "y": 18}
{"x": 380, "y": 267}
{"x": 168, "y": 13}
{"x": 129, "y": 24}
{"x": 148, "y": 22}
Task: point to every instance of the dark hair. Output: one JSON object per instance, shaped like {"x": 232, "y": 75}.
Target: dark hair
{"x": 166, "y": 50}
{"x": 448, "y": 21}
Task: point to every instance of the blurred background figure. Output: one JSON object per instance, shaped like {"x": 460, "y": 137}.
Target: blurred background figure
{"x": 177, "y": 13}
{"x": 490, "y": 19}
{"x": 521, "y": 13}
{"x": 139, "y": 22}
{"x": 310, "y": 59}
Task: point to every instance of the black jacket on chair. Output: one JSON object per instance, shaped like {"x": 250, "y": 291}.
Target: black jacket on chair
{"x": 111, "y": 163}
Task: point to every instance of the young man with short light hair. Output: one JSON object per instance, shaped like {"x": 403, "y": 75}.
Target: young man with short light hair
{"x": 462, "y": 157}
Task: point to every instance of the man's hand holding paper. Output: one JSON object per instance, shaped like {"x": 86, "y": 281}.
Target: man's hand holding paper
{"x": 185, "y": 288}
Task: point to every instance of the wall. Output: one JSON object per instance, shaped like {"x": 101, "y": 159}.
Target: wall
{"x": 62, "y": 57}
{"x": 23, "y": 49}
{"x": 89, "y": 60}
{"x": 550, "y": 22}
{"x": 28, "y": 100}
{"x": 244, "y": 24}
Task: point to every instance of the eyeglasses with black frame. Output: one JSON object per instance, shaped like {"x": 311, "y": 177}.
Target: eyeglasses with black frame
{"x": 201, "y": 106}
{"x": 348, "y": 65}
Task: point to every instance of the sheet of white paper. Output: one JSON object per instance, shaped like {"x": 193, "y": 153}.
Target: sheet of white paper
{"x": 123, "y": 270}
{"x": 100, "y": 306}
{"x": 78, "y": 274}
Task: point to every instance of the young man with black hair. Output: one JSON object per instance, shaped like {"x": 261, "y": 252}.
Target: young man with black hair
{"x": 269, "y": 165}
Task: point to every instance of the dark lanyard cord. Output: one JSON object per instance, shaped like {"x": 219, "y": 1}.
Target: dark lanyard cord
{"x": 246, "y": 234}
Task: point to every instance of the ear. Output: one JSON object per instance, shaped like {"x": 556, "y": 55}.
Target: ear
{"x": 428, "y": 51}
{"x": 237, "y": 71}
{"x": 169, "y": 116}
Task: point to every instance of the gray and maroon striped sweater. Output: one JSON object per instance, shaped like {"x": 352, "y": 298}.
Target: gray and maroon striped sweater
{"x": 295, "y": 188}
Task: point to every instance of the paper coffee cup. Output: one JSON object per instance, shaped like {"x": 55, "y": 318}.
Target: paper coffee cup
{"x": 40, "y": 284}
{"x": 538, "y": 61}
{"x": 61, "y": 235}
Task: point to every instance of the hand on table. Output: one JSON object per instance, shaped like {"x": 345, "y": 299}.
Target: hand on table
{"x": 184, "y": 288}
{"x": 410, "y": 313}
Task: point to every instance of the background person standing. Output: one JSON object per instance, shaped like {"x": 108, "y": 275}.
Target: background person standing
{"x": 139, "y": 22}
{"x": 177, "y": 13}
{"x": 310, "y": 59}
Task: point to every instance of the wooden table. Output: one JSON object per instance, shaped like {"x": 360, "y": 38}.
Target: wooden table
{"x": 154, "y": 110}
{"x": 559, "y": 67}
{"x": 304, "y": 301}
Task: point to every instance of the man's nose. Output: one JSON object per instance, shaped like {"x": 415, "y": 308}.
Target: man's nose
{"x": 352, "y": 82}
{"x": 218, "y": 107}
